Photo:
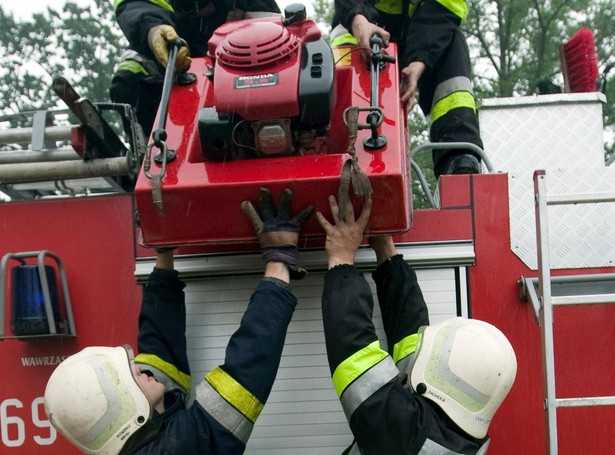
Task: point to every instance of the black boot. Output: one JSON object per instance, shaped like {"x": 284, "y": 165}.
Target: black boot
{"x": 459, "y": 163}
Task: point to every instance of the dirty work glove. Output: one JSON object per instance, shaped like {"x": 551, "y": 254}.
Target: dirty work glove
{"x": 159, "y": 39}
{"x": 277, "y": 233}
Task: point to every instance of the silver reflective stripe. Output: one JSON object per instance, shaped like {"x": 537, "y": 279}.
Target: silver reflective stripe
{"x": 150, "y": 65}
{"x": 484, "y": 447}
{"x": 367, "y": 384}
{"x": 429, "y": 448}
{"x": 452, "y": 85}
{"x": 403, "y": 365}
{"x": 339, "y": 30}
{"x": 224, "y": 413}
{"x": 433, "y": 448}
{"x": 355, "y": 449}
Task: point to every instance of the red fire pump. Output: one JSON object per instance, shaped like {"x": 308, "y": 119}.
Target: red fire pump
{"x": 271, "y": 107}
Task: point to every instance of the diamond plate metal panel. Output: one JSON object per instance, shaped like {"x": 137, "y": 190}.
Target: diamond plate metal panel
{"x": 562, "y": 134}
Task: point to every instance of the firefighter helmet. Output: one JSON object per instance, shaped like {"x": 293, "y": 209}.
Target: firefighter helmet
{"x": 94, "y": 400}
{"x": 467, "y": 368}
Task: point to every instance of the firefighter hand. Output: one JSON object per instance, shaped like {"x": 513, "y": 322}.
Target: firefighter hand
{"x": 159, "y": 38}
{"x": 410, "y": 76}
{"x": 277, "y": 232}
{"x": 345, "y": 237}
{"x": 362, "y": 30}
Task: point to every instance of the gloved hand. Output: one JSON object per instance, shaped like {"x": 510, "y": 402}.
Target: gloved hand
{"x": 159, "y": 39}
{"x": 277, "y": 233}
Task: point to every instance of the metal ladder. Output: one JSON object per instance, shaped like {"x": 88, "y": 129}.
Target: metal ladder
{"x": 545, "y": 292}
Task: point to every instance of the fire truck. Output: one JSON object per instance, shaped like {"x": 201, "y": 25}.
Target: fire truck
{"x": 528, "y": 245}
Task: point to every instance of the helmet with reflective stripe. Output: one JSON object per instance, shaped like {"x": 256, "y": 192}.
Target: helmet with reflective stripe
{"x": 94, "y": 400}
{"x": 467, "y": 368}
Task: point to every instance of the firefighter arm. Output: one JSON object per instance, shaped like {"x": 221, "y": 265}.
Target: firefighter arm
{"x": 431, "y": 31}
{"x": 237, "y": 391}
{"x": 383, "y": 246}
{"x": 346, "y": 10}
{"x": 162, "y": 327}
{"x": 347, "y": 308}
{"x": 382, "y": 414}
{"x": 402, "y": 306}
{"x": 137, "y": 17}
{"x": 164, "y": 259}
{"x": 277, "y": 270}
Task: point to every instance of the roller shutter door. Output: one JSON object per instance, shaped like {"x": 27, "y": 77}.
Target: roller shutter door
{"x": 303, "y": 414}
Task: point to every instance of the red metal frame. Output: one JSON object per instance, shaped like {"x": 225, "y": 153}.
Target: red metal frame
{"x": 95, "y": 239}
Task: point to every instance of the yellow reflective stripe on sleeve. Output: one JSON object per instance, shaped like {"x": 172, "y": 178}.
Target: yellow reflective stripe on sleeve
{"x": 233, "y": 392}
{"x": 160, "y": 3}
{"x": 389, "y": 6}
{"x": 346, "y": 39}
{"x": 458, "y": 7}
{"x": 453, "y": 101}
{"x": 357, "y": 364}
{"x": 182, "y": 379}
{"x": 405, "y": 347}
{"x": 133, "y": 67}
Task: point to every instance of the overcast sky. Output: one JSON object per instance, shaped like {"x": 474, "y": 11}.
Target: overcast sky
{"x": 23, "y": 9}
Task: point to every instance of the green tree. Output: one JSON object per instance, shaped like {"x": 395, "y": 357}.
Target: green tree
{"x": 516, "y": 46}
{"x": 81, "y": 43}
{"x": 323, "y": 13}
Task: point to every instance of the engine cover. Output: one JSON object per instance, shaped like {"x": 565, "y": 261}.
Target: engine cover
{"x": 256, "y": 72}
{"x": 266, "y": 83}
{"x": 270, "y": 79}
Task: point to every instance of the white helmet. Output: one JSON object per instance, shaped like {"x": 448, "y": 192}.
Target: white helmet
{"x": 93, "y": 399}
{"x": 466, "y": 367}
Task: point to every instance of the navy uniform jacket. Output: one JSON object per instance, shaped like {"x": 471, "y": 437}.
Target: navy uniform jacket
{"x": 137, "y": 17}
{"x": 385, "y": 417}
{"x": 429, "y": 31}
{"x": 139, "y": 77}
{"x": 229, "y": 399}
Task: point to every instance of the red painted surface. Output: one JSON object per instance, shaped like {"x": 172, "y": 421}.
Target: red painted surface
{"x": 201, "y": 199}
{"x": 583, "y": 342}
{"x": 94, "y": 239}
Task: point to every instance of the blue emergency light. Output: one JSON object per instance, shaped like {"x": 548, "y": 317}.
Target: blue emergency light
{"x": 35, "y": 301}
{"x": 28, "y": 315}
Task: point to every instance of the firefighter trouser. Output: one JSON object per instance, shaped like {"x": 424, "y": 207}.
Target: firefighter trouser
{"x": 136, "y": 83}
{"x": 445, "y": 93}
{"x": 447, "y": 100}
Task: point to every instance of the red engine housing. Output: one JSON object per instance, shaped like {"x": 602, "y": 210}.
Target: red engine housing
{"x": 265, "y": 70}
{"x": 257, "y": 67}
